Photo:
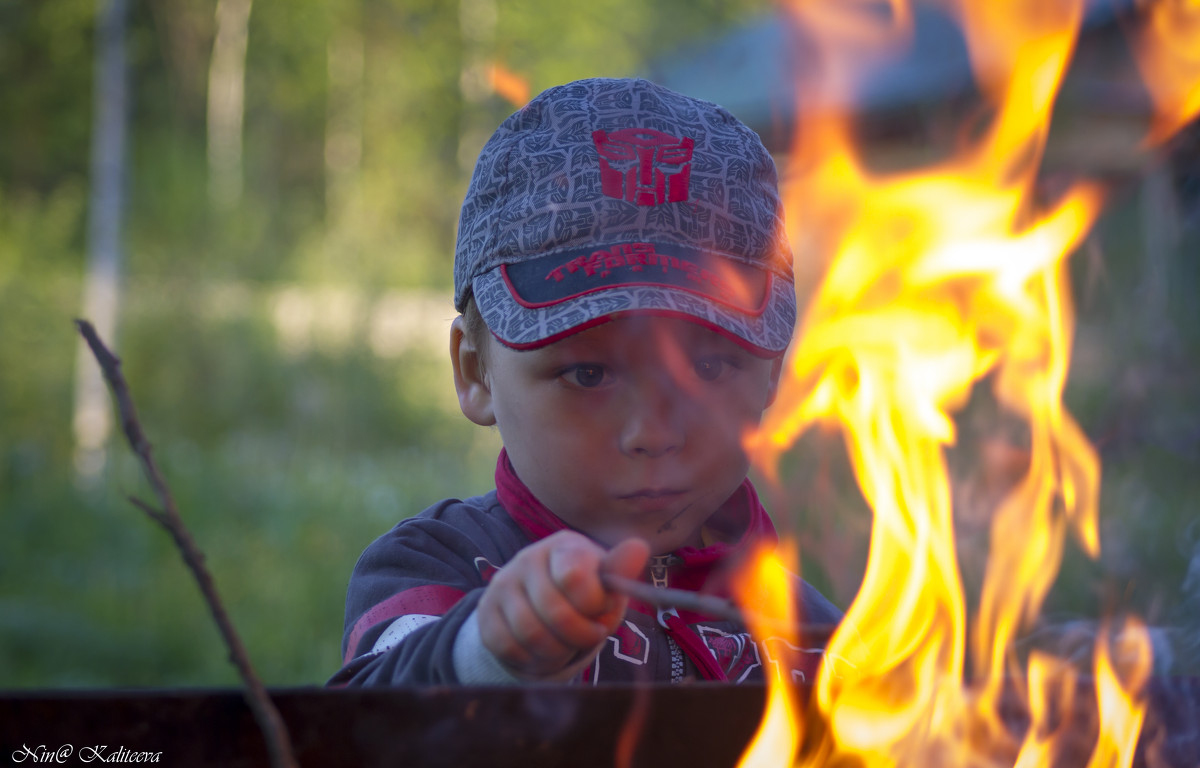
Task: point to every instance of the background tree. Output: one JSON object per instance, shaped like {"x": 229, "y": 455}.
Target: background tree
{"x": 106, "y": 212}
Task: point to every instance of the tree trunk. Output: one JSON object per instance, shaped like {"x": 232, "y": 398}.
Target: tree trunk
{"x": 226, "y": 102}
{"x": 110, "y": 116}
{"x": 344, "y": 145}
{"x": 477, "y": 23}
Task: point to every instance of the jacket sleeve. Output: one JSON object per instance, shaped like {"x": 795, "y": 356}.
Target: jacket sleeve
{"x": 409, "y": 595}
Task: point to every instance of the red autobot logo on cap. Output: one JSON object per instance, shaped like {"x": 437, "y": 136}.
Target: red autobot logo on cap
{"x": 644, "y": 166}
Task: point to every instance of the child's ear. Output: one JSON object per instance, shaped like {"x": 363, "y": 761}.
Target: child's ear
{"x": 773, "y": 382}
{"x": 470, "y": 379}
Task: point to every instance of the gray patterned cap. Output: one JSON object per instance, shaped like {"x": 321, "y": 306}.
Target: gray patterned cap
{"x": 603, "y": 197}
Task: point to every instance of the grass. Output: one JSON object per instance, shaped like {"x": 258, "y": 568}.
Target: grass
{"x": 284, "y": 465}
{"x": 95, "y": 594}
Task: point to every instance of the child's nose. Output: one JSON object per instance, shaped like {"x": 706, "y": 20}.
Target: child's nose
{"x": 655, "y": 422}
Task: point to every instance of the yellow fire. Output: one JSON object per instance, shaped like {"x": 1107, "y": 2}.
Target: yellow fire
{"x": 767, "y": 585}
{"x": 937, "y": 281}
{"x": 1168, "y": 53}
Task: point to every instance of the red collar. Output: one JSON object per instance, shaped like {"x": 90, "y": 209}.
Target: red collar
{"x": 741, "y": 519}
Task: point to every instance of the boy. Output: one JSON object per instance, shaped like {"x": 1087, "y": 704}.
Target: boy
{"x": 627, "y": 295}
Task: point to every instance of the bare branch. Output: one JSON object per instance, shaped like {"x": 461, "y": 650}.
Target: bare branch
{"x": 269, "y": 720}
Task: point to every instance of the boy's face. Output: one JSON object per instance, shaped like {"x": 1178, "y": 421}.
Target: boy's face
{"x": 631, "y": 428}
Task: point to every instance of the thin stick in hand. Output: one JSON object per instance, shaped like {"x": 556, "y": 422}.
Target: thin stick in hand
{"x": 709, "y": 605}
{"x": 268, "y": 717}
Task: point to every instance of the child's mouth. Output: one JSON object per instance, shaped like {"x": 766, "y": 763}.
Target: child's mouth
{"x": 655, "y": 500}
{"x": 653, "y": 493}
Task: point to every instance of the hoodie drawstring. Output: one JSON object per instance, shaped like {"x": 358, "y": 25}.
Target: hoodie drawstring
{"x": 700, "y": 654}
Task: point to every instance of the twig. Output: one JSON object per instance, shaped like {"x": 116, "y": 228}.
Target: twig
{"x": 666, "y": 597}
{"x": 269, "y": 720}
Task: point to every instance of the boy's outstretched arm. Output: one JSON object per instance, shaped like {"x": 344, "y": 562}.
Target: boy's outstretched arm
{"x": 546, "y": 613}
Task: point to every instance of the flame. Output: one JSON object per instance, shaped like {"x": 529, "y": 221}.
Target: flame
{"x": 1052, "y": 686}
{"x": 767, "y": 585}
{"x": 508, "y": 84}
{"x": 1133, "y": 661}
{"x": 940, "y": 280}
{"x": 1167, "y": 44}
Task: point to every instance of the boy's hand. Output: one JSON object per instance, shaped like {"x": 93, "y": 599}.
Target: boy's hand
{"x": 547, "y": 609}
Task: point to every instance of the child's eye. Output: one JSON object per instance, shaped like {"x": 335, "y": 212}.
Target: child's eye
{"x": 711, "y": 368}
{"x": 586, "y": 376}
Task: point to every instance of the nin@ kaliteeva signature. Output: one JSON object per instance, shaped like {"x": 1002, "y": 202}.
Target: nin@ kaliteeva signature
{"x": 95, "y": 753}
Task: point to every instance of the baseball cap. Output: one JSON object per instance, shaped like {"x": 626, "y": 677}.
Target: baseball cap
{"x": 604, "y": 197}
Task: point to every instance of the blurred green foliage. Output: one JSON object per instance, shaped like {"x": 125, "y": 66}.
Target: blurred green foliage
{"x": 286, "y": 352}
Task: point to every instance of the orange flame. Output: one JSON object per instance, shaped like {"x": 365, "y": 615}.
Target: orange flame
{"x": 1167, "y": 44}
{"x": 1133, "y": 661}
{"x": 938, "y": 280}
{"x": 767, "y": 584}
{"x": 508, "y": 84}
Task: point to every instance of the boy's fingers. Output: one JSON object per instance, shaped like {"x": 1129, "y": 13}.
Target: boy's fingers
{"x": 570, "y": 599}
{"x": 627, "y": 559}
{"x": 514, "y": 633}
{"x": 549, "y": 605}
{"x": 563, "y": 618}
{"x": 510, "y": 628}
{"x": 526, "y": 619}
{"x": 574, "y": 570}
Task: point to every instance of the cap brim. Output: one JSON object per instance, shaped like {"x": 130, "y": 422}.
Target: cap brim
{"x": 539, "y": 301}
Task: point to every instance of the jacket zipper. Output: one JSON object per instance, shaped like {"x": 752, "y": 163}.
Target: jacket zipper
{"x": 659, "y": 565}
{"x": 658, "y": 569}
{"x": 677, "y": 665}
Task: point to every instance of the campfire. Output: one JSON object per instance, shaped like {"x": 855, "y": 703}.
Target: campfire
{"x": 941, "y": 280}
